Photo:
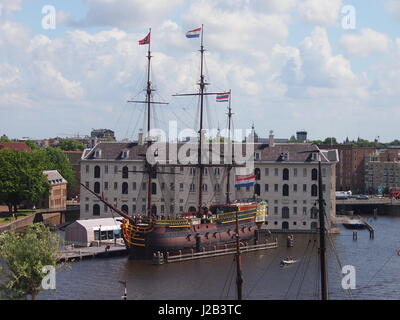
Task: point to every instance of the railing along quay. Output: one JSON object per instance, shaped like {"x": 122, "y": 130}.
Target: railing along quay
{"x": 159, "y": 258}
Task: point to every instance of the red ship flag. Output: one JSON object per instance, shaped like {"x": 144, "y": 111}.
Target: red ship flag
{"x": 146, "y": 40}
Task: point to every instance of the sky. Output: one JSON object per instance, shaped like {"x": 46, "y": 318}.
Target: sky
{"x": 330, "y": 67}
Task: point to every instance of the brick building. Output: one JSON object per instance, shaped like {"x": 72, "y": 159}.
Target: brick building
{"x": 351, "y": 168}
{"x": 57, "y": 198}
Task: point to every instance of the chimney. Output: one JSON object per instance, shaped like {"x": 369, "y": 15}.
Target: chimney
{"x": 140, "y": 138}
{"x": 271, "y": 139}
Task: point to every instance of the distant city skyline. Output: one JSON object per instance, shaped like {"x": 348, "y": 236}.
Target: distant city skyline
{"x": 328, "y": 67}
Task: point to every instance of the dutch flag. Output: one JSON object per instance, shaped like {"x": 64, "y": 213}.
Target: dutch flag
{"x": 223, "y": 97}
{"x": 193, "y": 33}
{"x": 245, "y": 182}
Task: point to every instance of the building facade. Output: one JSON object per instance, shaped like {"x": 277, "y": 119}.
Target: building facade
{"x": 286, "y": 178}
{"x": 57, "y": 198}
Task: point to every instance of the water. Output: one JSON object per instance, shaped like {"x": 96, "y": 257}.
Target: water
{"x": 376, "y": 262}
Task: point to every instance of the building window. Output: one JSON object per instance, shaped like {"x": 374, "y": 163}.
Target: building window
{"x": 144, "y": 185}
{"x": 257, "y": 189}
{"x": 304, "y": 211}
{"x": 115, "y": 169}
{"x": 314, "y": 190}
{"x": 324, "y": 172}
{"x": 266, "y": 171}
{"x": 96, "y": 210}
{"x": 295, "y": 172}
{"x": 125, "y": 188}
{"x": 285, "y": 190}
{"x": 134, "y": 186}
{"x": 285, "y": 174}
{"x": 105, "y": 185}
{"x": 217, "y": 171}
{"x": 162, "y": 185}
{"x": 285, "y": 213}
{"x": 154, "y": 188}
{"x": 295, "y": 210}
{"x": 192, "y": 187}
{"x": 305, "y": 172}
{"x": 97, "y": 172}
{"x": 217, "y": 187}
{"x": 304, "y": 188}
{"x": 205, "y": 187}
{"x": 295, "y": 188}
{"x": 276, "y": 188}
{"x": 314, "y": 213}
{"x": 134, "y": 208}
{"x": 314, "y": 174}
{"x": 105, "y": 208}
{"x": 87, "y": 169}
{"x": 125, "y": 172}
{"x": 172, "y": 186}
{"x": 276, "y": 172}
{"x": 115, "y": 185}
{"x": 97, "y": 187}
{"x": 181, "y": 187}
{"x": 105, "y": 169}
{"x": 275, "y": 210}
{"x": 86, "y": 207}
{"x": 125, "y": 209}
{"x": 266, "y": 187}
{"x": 257, "y": 172}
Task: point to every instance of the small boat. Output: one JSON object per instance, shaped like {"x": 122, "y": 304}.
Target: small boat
{"x": 354, "y": 224}
{"x": 286, "y": 262}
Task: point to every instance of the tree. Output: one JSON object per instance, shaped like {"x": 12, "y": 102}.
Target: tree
{"x": 330, "y": 140}
{"x": 55, "y": 159}
{"x": 32, "y": 144}
{"x": 71, "y": 145}
{"x": 24, "y": 256}
{"x": 21, "y": 179}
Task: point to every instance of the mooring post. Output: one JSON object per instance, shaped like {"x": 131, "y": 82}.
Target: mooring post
{"x": 355, "y": 235}
{"x": 375, "y": 213}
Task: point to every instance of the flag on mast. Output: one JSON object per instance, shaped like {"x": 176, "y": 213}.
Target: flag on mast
{"x": 223, "y": 97}
{"x": 146, "y": 40}
{"x": 193, "y": 33}
{"x": 245, "y": 182}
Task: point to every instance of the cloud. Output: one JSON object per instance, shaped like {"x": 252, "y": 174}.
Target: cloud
{"x": 393, "y": 6}
{"x": 367, "y": 42}
{"x": 320, "y": 12}
{"x": 8, "y": 7}
{"x": 125, "y": 14}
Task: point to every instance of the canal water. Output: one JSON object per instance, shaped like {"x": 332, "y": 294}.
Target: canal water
{"x": 375, "y": 261}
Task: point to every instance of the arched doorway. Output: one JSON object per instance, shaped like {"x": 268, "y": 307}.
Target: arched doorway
{"x": 285, "y": 225}
{"x": 96, "y": 210}
{"x": 125, "y": 208}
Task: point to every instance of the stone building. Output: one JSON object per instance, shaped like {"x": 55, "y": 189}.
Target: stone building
{"x": 286, "y": 178}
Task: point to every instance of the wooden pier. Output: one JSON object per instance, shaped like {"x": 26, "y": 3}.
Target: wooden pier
{"x": 91, "y": 252}
{"x": 160, "y": 258}
{"x": 369, "y": 227}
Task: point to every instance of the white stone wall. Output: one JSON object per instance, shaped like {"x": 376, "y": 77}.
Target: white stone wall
{"x": 183, "y": 200}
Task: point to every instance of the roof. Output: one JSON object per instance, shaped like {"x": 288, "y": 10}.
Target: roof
{"x": 17, "y": 146}
{"x": 54, "y": 177}
{"x": 288, "y": 152}
{"x": 103, "y": 223}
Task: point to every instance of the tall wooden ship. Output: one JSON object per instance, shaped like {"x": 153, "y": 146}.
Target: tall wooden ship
{"x": 210, "y": 226}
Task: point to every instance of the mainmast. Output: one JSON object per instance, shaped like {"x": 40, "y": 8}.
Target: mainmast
{"x": 228, "y": 198}
{"x": 202, "y": 85}
{"x": 149, "y": 168}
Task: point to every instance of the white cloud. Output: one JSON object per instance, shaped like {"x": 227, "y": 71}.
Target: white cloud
{"x": 367, "y": 42}
{"x": 126, "y": 14}
{"x": 7, "y": 7}
{"x": 320, "y": 12}
{"x": 393, "y": 6}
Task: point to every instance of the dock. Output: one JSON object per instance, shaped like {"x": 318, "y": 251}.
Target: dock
{"x": 74, "y": 254}
{"x": 369, "y": 227}
{"x": 160, "y": 258}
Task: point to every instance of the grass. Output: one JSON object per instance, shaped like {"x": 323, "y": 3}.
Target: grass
{"x": 20, "y": 214}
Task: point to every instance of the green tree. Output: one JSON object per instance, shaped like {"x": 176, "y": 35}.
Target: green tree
{"x": 71, "y": 145}
{"x": 54, "y": 159}
{"x": 330, "y": 140}
{"x": 4, "y": 139}
{"x": 32, "y": 144}
{"x": 21, "y": 178}
{"x": 24, "y": 255}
